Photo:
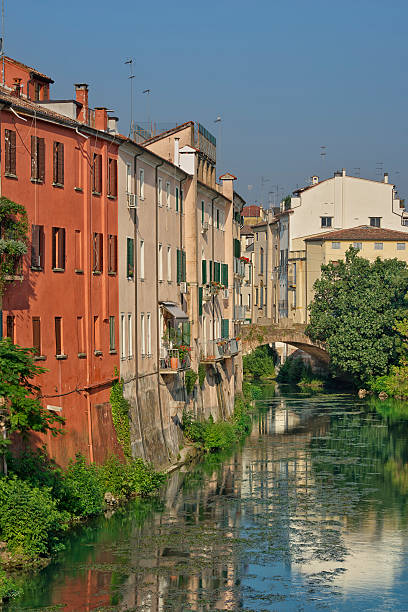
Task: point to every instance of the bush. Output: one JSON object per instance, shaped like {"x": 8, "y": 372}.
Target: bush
{"x": 134, "y": 477}
{"x": 260, "y": 363}
{"x": 202, "y": 373}
{"x": 293, "y": 371}
{"x": 8, "y": 588}
{"x": 395, "y": 384}
{"x": 83, "y": 491}
{"x": 190, "y": 378}
{"x": 120, "y": 416}
{"x": 30, "y": 521}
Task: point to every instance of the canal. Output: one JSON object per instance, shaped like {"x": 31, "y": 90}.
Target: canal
{"x": 309, "y": 513}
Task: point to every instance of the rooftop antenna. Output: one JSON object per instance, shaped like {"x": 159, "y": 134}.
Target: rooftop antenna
{"x": 263, "y": 181}
{"x": 323, "y": 152}
{"x": 3, "y": 75}
{"x": 131, "y": 77}
{"x": 379, "y": 168}
{"x": 219, "y": 121}
{"x": 357, "y": 172}
{"x": 147, "y": 92}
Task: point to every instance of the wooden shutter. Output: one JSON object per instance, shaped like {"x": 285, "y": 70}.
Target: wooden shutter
{"x": 35, "y": 246}
{"x": 54, "y": 247}
{"x": 13, "y": 152}
{"x": 61, "y": 248}
{"x": 34, "y": 158}
{"x": 10, "y": 327}
{"x": 37, "y": 335}
{"x": 95, "y": 258}
{"x": 186, "y": 333}
{"x": 211, "y": 270}
{"x": 55, "y": 162}
{"x": 97, "y": 173}
{"x": 184, "y": 273}
{"x": 217, "y": 271}
{"x": 113, "y": 177}
{"x": 130, "y": 258}
{"x": 58, "y": 346}
{"x": 224, "y": 328}
{"x": 200, "y": 301}
{"x": 179, "y": 266}
{"x": 60, "y": 163}
{"x": 41, "y": 159}
{"x": 224, "y": 274}
{"x": 203, "y": 272}
{"x": 7, "y": 147}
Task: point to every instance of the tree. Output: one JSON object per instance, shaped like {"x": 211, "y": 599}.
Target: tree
{"x": 355, "y": 312}
{"x": 260, "y": 362}
{"x": 21, "y": 407}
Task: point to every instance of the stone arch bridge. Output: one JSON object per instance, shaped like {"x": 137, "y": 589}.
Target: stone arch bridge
{"x": 288, "y": 332}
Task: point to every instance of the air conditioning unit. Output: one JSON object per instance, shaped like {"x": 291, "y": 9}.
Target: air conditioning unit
{"x": 226, "y": 294}
{"x": 183, "y": 287}
{"x": 204, "y": 227}
{"x": 131, "y": 200}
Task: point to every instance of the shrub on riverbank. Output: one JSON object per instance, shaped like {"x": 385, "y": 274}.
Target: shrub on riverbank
{"x": 260, "y": 363}
{"x": 295, "y": 372}
{"x": 8, "y": 588}
{"x": 213, "y": 436}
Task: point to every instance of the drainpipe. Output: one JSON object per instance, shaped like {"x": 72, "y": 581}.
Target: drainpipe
{"x": 212, "y": 264}
{"x": 88, "y": 300}
{"x": 157, "y": 301}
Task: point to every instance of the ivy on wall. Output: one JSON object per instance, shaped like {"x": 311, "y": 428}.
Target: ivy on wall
{"x": 13, "y": 238}
{"x": 120, "y": 417}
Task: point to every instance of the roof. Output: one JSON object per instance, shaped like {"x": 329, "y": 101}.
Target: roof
{"x": 362, "y": 232}
{"x": 175, "y": 311}
{"x": 246, "y": 230}
{"x": 40, "y": 74}
{"x": 227, "y": 176}
{"x": 251, "y": 210}
{"x": 357, "y": 178}
{"x": 167, "y": 132}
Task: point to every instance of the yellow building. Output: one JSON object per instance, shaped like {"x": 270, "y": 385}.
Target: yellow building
{"x": 372, "y": 242}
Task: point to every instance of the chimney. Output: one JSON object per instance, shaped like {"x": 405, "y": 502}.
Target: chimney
{"x": 101, "y": 118}
{"x": 17, "y": 88}
{"x": 385, "y": 177}
{"x": 315, "y": 180}
{"x": 343, "y": 172}
{"x": 81, "y": 96}
{"x": 113, "y": 125}
{"x": 176, "y": 152}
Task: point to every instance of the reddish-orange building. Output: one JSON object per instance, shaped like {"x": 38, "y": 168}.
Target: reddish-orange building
{"x": 64, "y": 171}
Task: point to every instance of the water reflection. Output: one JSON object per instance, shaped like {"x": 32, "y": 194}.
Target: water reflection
{"x": 309, "y": 514}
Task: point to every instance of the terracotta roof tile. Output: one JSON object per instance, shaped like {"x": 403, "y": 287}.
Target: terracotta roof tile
{"x": 362, "y": 232}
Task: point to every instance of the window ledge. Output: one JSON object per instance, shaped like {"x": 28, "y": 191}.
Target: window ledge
{"x": 112, "y": 273}
{"x": 81, "y": 355}
{"x": 10, "y": 175}
{"x": 37, "y": 181}
{"x": 61, "y": 357}
{"x": 59, "y": 185}
{"x": 36, "y": 268}
{"x": 78, "y": 189}
{"x": 40, "y": 357}
{"x": 78, "y": 271}
{"x": 96, "y": 193}
{"x": 98, "y": 353}
{"x": 96, "y": 272}
{"x": 142, "y": 280}
{"x": 114, "y": 352}
{"x": 58, "y": 269}
{"x": 111, "y": 197}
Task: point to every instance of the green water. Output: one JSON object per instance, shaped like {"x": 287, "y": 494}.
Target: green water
{"x": 310, "y": 513}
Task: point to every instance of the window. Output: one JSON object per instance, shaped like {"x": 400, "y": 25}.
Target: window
{"x": 169, "y": 263}
{"x": 217, "y": 215}
{"x": 181, "y": 201}
{"x": 375, "y": 221}
{"x": 203, "y": 272}
{"x": 130, "y": 336}
{"x": 142, "y": 270}
{"x": 129, "y": 178}
{"x": 222, "y": 219}
{"x": 96, "y": 335}
{"x": 261, "y": 260}
{"x": 141, "y": 184}
{"x": 112, "y": 254}
{"x": 149, "y": 334}
{"x": 168, "y": 194}
{"x": 10, "y": 327}
{"x": 400, "y": 246}
{"x": 112, "y": 343}
{"x": 160, "y": 192}
{"x": 130, "y": 260}
{"x": 326, "y": 221}
{"x": 78, "y": 168}
{"x": 58, "y": 174}
{"x": 10, "y": 152}
{"x": 37, "y": 90}
{"x": 97, "y": 174}
{"x": 378, "y": 246}
{"x": 256, "y": 297}
{"x": 181, "y": 266}
{"x": 123, "y": 336}
{"x": 80, "y": 337}
{"x": 160, "y": 262}
{"x": 224, "y": 275}
{"x": 112, "y": 177}
{"x": 36, "y": 335}
{"x": 37, "y": 246}
{"x": 404, "y": 222}
{"x": 142, "y": 335}
{"x": 202, "y": 212}
{"x": 177, "y": 199}
{"x": 97, "y": 261}
{"x": 58, "y": 336}
{"x": 261, "y": 298}
{"x": 78, "y": 251}
{"x": 358, "y": 245}
{"x": 58, "y": 248}
{"x": 249, "y": 301}
{"x": 37, "y": 159}
{"x": 335, "y": 245}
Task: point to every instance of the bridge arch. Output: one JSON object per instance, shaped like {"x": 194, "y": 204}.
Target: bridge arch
{"x": 289, "y": 333}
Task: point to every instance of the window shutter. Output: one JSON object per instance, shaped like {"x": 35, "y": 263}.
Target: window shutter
{"x": 55, "y": 162}
{"x": 54, "y": 247}
{"x": 181, "y": 201}
{"x": 36, "y": 335}
{"x": 130, "y": 258}
{"x": 200, "y": 301}
{"x": 184, "y": 276}
{"x": 13, "y": 152}
{"x": 179, "y": 264}
{"x": 100, "y": 240}
{"x": 115, "y": 177}
{"x": 203, "y": 272}
{"x": 61, "y": 163}
{"x": 217, "y": 271}
{"x": 35, "y": 246}
{"x": 61, "y": 248}
{"x": 224, "y": 328}
{"x": 224, "y": 274}
{"x": 34, "y": 158}
{"x": 58, "y": 348}
{"x": 7, "y": 147}
{"x": 186, "y": 333}
{"x": 211, "y": 270}
{"x": 41, "y": 159}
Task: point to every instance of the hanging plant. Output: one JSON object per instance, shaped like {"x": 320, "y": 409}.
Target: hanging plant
{"x": 13, "y": 238}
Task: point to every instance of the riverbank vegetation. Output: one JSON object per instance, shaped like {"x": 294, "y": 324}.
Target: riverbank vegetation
{"x": 260, "y": 363}
{"x": 295, "y": 372}
{"x": 360, "y": 313}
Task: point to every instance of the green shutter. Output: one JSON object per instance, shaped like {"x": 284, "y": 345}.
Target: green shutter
{"x": 177, "y": 199}
{"x": 218, "y": 219}
{"x": 203, "y": 272}
{"x": 179, "y": 263}
{"x": 224, "y": 328}
{"x": 217, "y": 267}
{"x": 237, "y": 248}
{"x": 202, "y": 213}
{"x": 130, "y": 258}
{"x": 181, "y": 201}
{"x": 211, "y": 270}
{"x": 183, "y": 266}
{"x": 186, "y": 333}
{"x": 200, "y": 301}
{"x": 224, "y": 274}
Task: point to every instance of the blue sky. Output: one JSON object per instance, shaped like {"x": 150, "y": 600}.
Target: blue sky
{"x": 286, "y": 77}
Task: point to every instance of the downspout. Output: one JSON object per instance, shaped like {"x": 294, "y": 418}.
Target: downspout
{"x": 212, "y": 264}
{"x": 88, "y": 298}
{"x": 137, "y": 314}
{"x": 157, "y": 302}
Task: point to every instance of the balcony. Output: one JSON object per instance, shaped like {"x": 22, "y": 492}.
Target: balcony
{"x": 239, "y": 267}
{"x": 239, "y": 313}
{"x": 213, "y": 350}
{"x": 231, "y": 348}
{"x": 172, "y": 362}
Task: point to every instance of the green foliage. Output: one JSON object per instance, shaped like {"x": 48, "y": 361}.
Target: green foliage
{"x": 30, "y": 521}
{"x": 134, "y": 478}
{"x": 260, "y": 363}
{"x": 293, "y": 371}
{"x": 190, "y": 380}
{"x": 13, "y": 241}
{"x": 394, "y": 384}
{"x": 202, "y": 373}
{"x": 83, "y": 492}
{"x": 356, "y": 311}
{"x": 8, "y": 588}
{"x": 24, "y": 411}
{"x": 120, "y": 417}
{"x": 311, "y": 385}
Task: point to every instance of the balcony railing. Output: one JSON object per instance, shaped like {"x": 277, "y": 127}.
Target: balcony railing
{"x": 239, "y": 313}
{"x": 213, "y": 350}
{"x": 172, "y": 362}
{"x": 239, "y": 267}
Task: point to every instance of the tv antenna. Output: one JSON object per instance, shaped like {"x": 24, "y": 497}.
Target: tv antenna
{"x": 379, "y": 168}
{"x": 357, "y": 172}
{"x": 147, "y": 92}
{"x": 131, "y": 77}
{"x": 323, "y": 152}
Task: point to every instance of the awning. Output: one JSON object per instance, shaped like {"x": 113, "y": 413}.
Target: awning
{"x": 175, "y": 311}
